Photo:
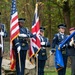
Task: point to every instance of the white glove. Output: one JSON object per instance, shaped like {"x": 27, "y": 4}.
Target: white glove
{"x": 71, "y": 42}
{"x": 18, "y": 49}
{"x": 64, "y": 46}
{"x": 50, "y": 52}
{"x": 2, "y": 33}
{"x": 22, "y": 35}
{"x": 42, "y": 43}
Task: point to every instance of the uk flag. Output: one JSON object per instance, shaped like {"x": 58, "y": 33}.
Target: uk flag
{"x": 35, "y": 42}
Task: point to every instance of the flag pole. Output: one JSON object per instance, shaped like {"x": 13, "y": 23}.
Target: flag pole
{"x": 19, "y": 61}
{"x": 36, "y": 64}
{"x": 1, "y": 43}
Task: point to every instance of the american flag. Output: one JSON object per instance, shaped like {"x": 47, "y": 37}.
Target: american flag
{"x": 14, "y": 32}
{"x": 35, "y": 42}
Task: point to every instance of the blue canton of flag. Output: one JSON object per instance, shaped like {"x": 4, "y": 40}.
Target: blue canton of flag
{"x": 13, "y": 10}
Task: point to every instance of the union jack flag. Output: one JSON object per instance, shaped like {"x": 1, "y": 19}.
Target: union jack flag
{"x": 35, "y": 42}
{"x": 14, "y": 32}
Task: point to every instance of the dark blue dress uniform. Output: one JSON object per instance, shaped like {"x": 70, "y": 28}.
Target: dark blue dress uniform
{"x": 71, "y": 53}
{"x": 2, "y": 27}
{"x": 42, "y": 55}
{"x": 23, "y": 43}
{"x": 58, "y": 38}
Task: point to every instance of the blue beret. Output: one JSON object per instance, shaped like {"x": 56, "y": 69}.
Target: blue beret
{"x": 61, "y": 26}
{"x": 21, "y": 19}
{"x": 42, "y": 29}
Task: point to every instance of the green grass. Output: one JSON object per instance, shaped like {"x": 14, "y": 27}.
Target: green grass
{"x": 53, "y": 71}
{"x": 68, "y": 72}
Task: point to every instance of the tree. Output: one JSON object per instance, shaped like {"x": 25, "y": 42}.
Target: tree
{"x": 51, "y": 13}
{"x": 66, "y": 14}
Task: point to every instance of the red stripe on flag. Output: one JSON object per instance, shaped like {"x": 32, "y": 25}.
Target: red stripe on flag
{"x": 14, "y": 35}
{"x": 14, "y": 18}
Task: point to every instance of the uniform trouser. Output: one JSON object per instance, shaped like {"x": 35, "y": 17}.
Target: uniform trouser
{"x": 0, "y": 64}
{"x": 41, "y": 65}
{"x": 72, "y": 65}
{"x": 63, "y": 71}
{"x": 22, "y": 58}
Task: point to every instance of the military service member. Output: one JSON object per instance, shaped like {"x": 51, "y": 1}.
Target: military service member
{"x": 71, "y": 51}
{"x": 58, "y": 38}
{"x": 42, "y": 56}
{"x": 3, "y": 34}
{"x": 20, "y": 45}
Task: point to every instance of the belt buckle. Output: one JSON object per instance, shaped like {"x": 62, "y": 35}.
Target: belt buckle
{"x": 43, "y": 53}
{"x": 63, "y": 52}
{"x": 43, "y": 48}
{"x": 23, "y": 44}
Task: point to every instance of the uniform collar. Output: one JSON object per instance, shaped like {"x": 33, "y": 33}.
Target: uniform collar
{"x": 61, "y": 33}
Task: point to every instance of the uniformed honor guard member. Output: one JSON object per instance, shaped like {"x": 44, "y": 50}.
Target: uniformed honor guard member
{"x": 58, "y": 38}
{"x": 20, "y": 45}
{"x": 42, "y": 55}
{"x": 3, "y": 34}
{"x": 71, "y": 51}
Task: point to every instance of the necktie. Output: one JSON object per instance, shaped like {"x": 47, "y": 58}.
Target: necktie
{"x": 41, "y": 39}
{"x": 62, "y": 36}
